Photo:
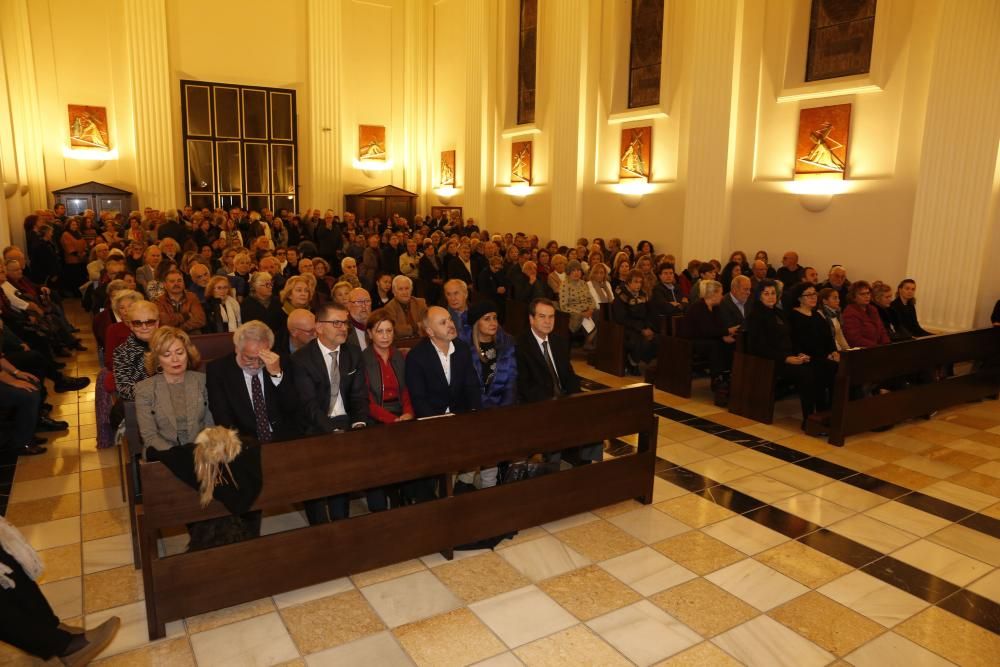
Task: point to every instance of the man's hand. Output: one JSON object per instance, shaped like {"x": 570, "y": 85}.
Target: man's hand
{"x": 21, "y": 375}
{"x": 733, "y": 330}
{"x": 271, "y": 361}
{"x": 729, "y": 339}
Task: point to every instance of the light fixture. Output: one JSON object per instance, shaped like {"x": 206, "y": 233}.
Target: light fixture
{"x": 632, "y": 191}
{"x": 519, "y": 193}
{"x": 89, "y": 158}
{"x": 9, "y": 190}
{"x": 445, "y": 193}
{"x": 815, "y": 194}
{"x": 370, "y": 167}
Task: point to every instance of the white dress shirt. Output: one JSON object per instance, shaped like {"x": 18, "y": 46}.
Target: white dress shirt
{"x": 337, "y": 409}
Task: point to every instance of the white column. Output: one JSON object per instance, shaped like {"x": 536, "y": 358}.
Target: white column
{"x": 477, "y": 142}
{"x": 149, "y": 71}
{"x": 324, "y": 18}
{"x": 419, "y": 168}
{"x": 566, "y": 21}
{"x": 958, "y": 161}
{"x": 712, "y": 132}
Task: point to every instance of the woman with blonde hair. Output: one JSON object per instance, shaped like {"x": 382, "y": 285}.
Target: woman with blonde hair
{"x": 222, "y": 310}
{"x": 341, "y": 292}
{"x": 296, "y": 294}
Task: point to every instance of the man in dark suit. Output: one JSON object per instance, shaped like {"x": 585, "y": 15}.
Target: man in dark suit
{"x": 441, "y": 380}
{"x": 330, "y": 382}
{"x": 735, "y": 306}
{"x": 544, "y": 370}
{"x": 460, "y": 267}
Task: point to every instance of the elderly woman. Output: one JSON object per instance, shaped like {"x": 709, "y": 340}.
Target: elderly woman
{"x": 129, "y": 359}
{"x": 632, "y": 310}
{"x": 98, "y": 255}
{"x": 388, "y": 397}
{"x": 240, "y": 276}
{"x": 599, "y": 285}
{"x": 406, "y": 311}
{"x": 703, "y": 324}
{"x": 530, "y": 285}
{"x": 262, "y": 305}
{"x": 882, "y": 300}
{"x": 667, "y": 298}
{"x": 324, "y": 281}
{"x": 296, "y": 294}
{"x": 222, "y": 310}
{"x": 575, "y": 299}
{"x": 862, "y": 325}
{"x": 557, "y": 276}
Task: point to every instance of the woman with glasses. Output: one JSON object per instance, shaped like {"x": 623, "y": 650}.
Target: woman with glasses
{"x": 862, "y": 324}
{"x": 811, "y": 334}
{"x": 262, "y": 305}
{"x": 129, "y": 363}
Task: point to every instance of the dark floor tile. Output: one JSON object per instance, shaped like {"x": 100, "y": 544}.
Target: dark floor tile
{"x": 731, "y": 499}
{"x": 837, "y": 546}
{"x": 877, "y": 486}
{"x": 827, "y": 468}
{"x": 908, "y": 578}
{"x": 974, "y": 608}
{"x": 935, "y": 506}
{"x": 685, "y": 478}
{"x": 741, "y": 438}
{"x": 707, "y": 426}
{"x": 984, "y": 524}
{"x": 782, "y": 522}
{"x": 663, "y": 464}
{"x": 781, "y": 452}
{"x": 672, "y": 413}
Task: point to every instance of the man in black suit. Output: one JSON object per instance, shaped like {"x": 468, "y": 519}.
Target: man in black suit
{"x": 735, "y": 306}
{"x": 460, "y": 267}
{"x": 544, "y": 370}
{"x": 441, "y": 380}
{"x": 330, "y": 382}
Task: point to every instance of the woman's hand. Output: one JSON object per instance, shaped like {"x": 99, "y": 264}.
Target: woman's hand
{"x": 405, "y": 417}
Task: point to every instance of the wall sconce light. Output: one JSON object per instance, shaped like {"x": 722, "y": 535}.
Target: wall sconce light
{"x": 370, "y": 167}
{"x": 89, "y": 158}
{"x": 519, "y": 193}
{"x": 815, "y": 194}
{"x": 9, "y": 190}
{"x": 445, "y": 193}
{"x": 632, "y": 191}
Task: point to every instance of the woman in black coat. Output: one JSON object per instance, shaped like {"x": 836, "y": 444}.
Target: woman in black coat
{"x": 431, "y": 275}
{"x": 905, "y": 308}
{"x": 261, "y": 304}
{"x": 631, "y": 309}
{"x": 812, "y": 336}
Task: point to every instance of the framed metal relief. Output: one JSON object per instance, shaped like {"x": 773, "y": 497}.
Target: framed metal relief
{"x": 636, "y": 152}
{"x": 823, "y": 139}
{"x": 448, "y": 168}
{"x": 88, "y": 127}
{"x": 520, "y": 162}
{"x": 371, "y": 142}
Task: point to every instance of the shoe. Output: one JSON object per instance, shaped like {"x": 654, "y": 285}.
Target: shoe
{"x": 464, "y": 487}
{"x": 46, "y": 424}
{"x": 38, "y": 441}
{"x": 46, "y": 407}
{"x": 59, "y": 365}
{"x": 61, "y": 352}
{"x": 31, "y": 450}
{"x": 78, "y": 346}
{"x": 67, "y": 383}
{"x": 97, "y": 640}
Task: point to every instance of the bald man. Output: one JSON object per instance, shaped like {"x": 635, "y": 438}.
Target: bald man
{"x": 790, "y": 272}
{"x": 359, "y": 306}
{"x": 301, "y": 329}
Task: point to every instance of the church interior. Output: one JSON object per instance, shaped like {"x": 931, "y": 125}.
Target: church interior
{"x": 861, "y": 136}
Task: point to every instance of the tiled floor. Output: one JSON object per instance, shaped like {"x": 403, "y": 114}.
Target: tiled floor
{"x": 763, "y": 547}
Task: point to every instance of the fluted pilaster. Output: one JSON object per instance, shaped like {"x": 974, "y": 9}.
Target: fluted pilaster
{"x": 149, "y": 70}
{"x": 477, "y": 76}
{"x": 951, "y": 219}
{"x": 711, "y": 138}
{"x": 567, "y": 21}
{"x": 325, "y": 76}
{"x": 419, "y": 167}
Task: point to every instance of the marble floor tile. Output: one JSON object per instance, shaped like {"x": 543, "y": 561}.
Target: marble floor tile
{"x": 704, "y": 607}
{"x": 51, "y": 534}
{"x": 662, "y": 491}
{"x": 507, "y": 659}
{"x": 101, "y": 499}
{"x": 410, "y": 598}
{"x": 65, "y": 596}
{"x": 959, "y": 495}
{"x": 988, "y": 586}
{"x": 255, "y": 642}
{"x": 769, "y": 432}
{"x": 599, "y": 540}
{"x": 753, "y": 460}
{"x": 386, "y": 573}
{"x": 216, "y": 619}
{"x": 644, "y": 633}
{"x": 720, "y": 470}
{"x": 133, "y": 632}
{"x": 877, "y": 450}
{"x": 978, "y": 481}
{"x": 60, "y": 563}
{"x": 44, "y": 509}
{"x": 102, "y": 478}
{"x": 480, "y": 577}
{"x": 331, "y": 621}
{"x": 570, "y": 648}
{"x": 952, "y": 637}
{"x": 746, "y": 535}
{"x": 111, "y": 588}
{"x": 378, "y": 650}
{"x": 764, "y": 642}
{"x": 543, "y": 558}
{"x": 45, "y": 487}
{"x": 907, "y": 518}
{"x": 525, "y": 535}
{"x": 523, "y": 615}
{"x": 102, "y": 458}
{"x": 930, "y": 435}
{"x": 876, "y": 599}
{"x": 792, "y": 475}
{"x": 851, "y": 459}
{"x": 106, "y": 553}
{"x": 40, "y": 468}
{"x": 970, "y": 542}
{"x": 647, "y": 571}
{"x": 991, "y": 468}
{"x": 649, "y": 525}
{"x": 174, "y": 652}
{"x": 105, "y": 523}
{"x": 570, "y": 522}
{"x": 622, "y": 507}
{"x": 892, "y": 650}
{"x": 714, "y": 445}
{"x": 694, "y": 510}
{"x": 906, "y": 477}
{"x": 872, "y": 533}
{"x": 942, "y": 562}
{"x": 435, "y": 560}
{"x": 826, "y": 623}
{"x": 699, "y": 552}
{"x": 314, "y": 592}
{"x": 450, "y": 640}
{"x": 764, "y": 488}
{"x": 954, "y": 457}
{"x": 813, "y": 508}
{"x": 588, "y": 592}
{"x": 681, "y": 454}
{"x": 756, "y": 583}
{"x": 705, "y": 653}
{"x": 803, "y": 564}
{"x": 928, "y": 466}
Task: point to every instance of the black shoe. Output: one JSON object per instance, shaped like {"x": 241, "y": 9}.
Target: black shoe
{"x": 67, "y": 383}
{"x": 35, "y": 440}
{"x": 59, "y": 365}
{"x": 30, "y": 450}
{"x": 61, "y": 352}
{"x": 464, "y": 487}
{"x": 46, "y": 424}
{"x": 78, "y": 346}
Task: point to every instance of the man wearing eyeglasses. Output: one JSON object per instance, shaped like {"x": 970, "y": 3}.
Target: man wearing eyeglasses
{"x": 330, "y": 382}
{"x": 359, "y": 305}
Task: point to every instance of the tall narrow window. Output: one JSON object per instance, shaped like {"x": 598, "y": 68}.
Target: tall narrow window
{"x": 841, "y": 33}
{"x": 528, "y": 38}
{"x": 239, "y": 146}
{"x": 645, "y": 53}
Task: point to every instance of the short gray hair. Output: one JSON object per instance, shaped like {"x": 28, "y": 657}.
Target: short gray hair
{"x": 710, "y": 288}
{"x": 401, "y": 279}
{"x": 254, "y": 330}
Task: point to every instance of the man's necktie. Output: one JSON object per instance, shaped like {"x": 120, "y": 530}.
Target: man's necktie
{"x": 556, "y": 388}
{"x": 334, "y": 380}
{"x": 260, "y": 410}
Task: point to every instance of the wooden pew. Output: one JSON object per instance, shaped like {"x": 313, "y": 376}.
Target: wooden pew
{"x": 192, "y": 583}
{"x": 879, "y": 364}
{"x": 751, "y": 388}
{"x": 675, "y": 361}
{"x": 609, "y": 355}
{"x": 213, "y": 346}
